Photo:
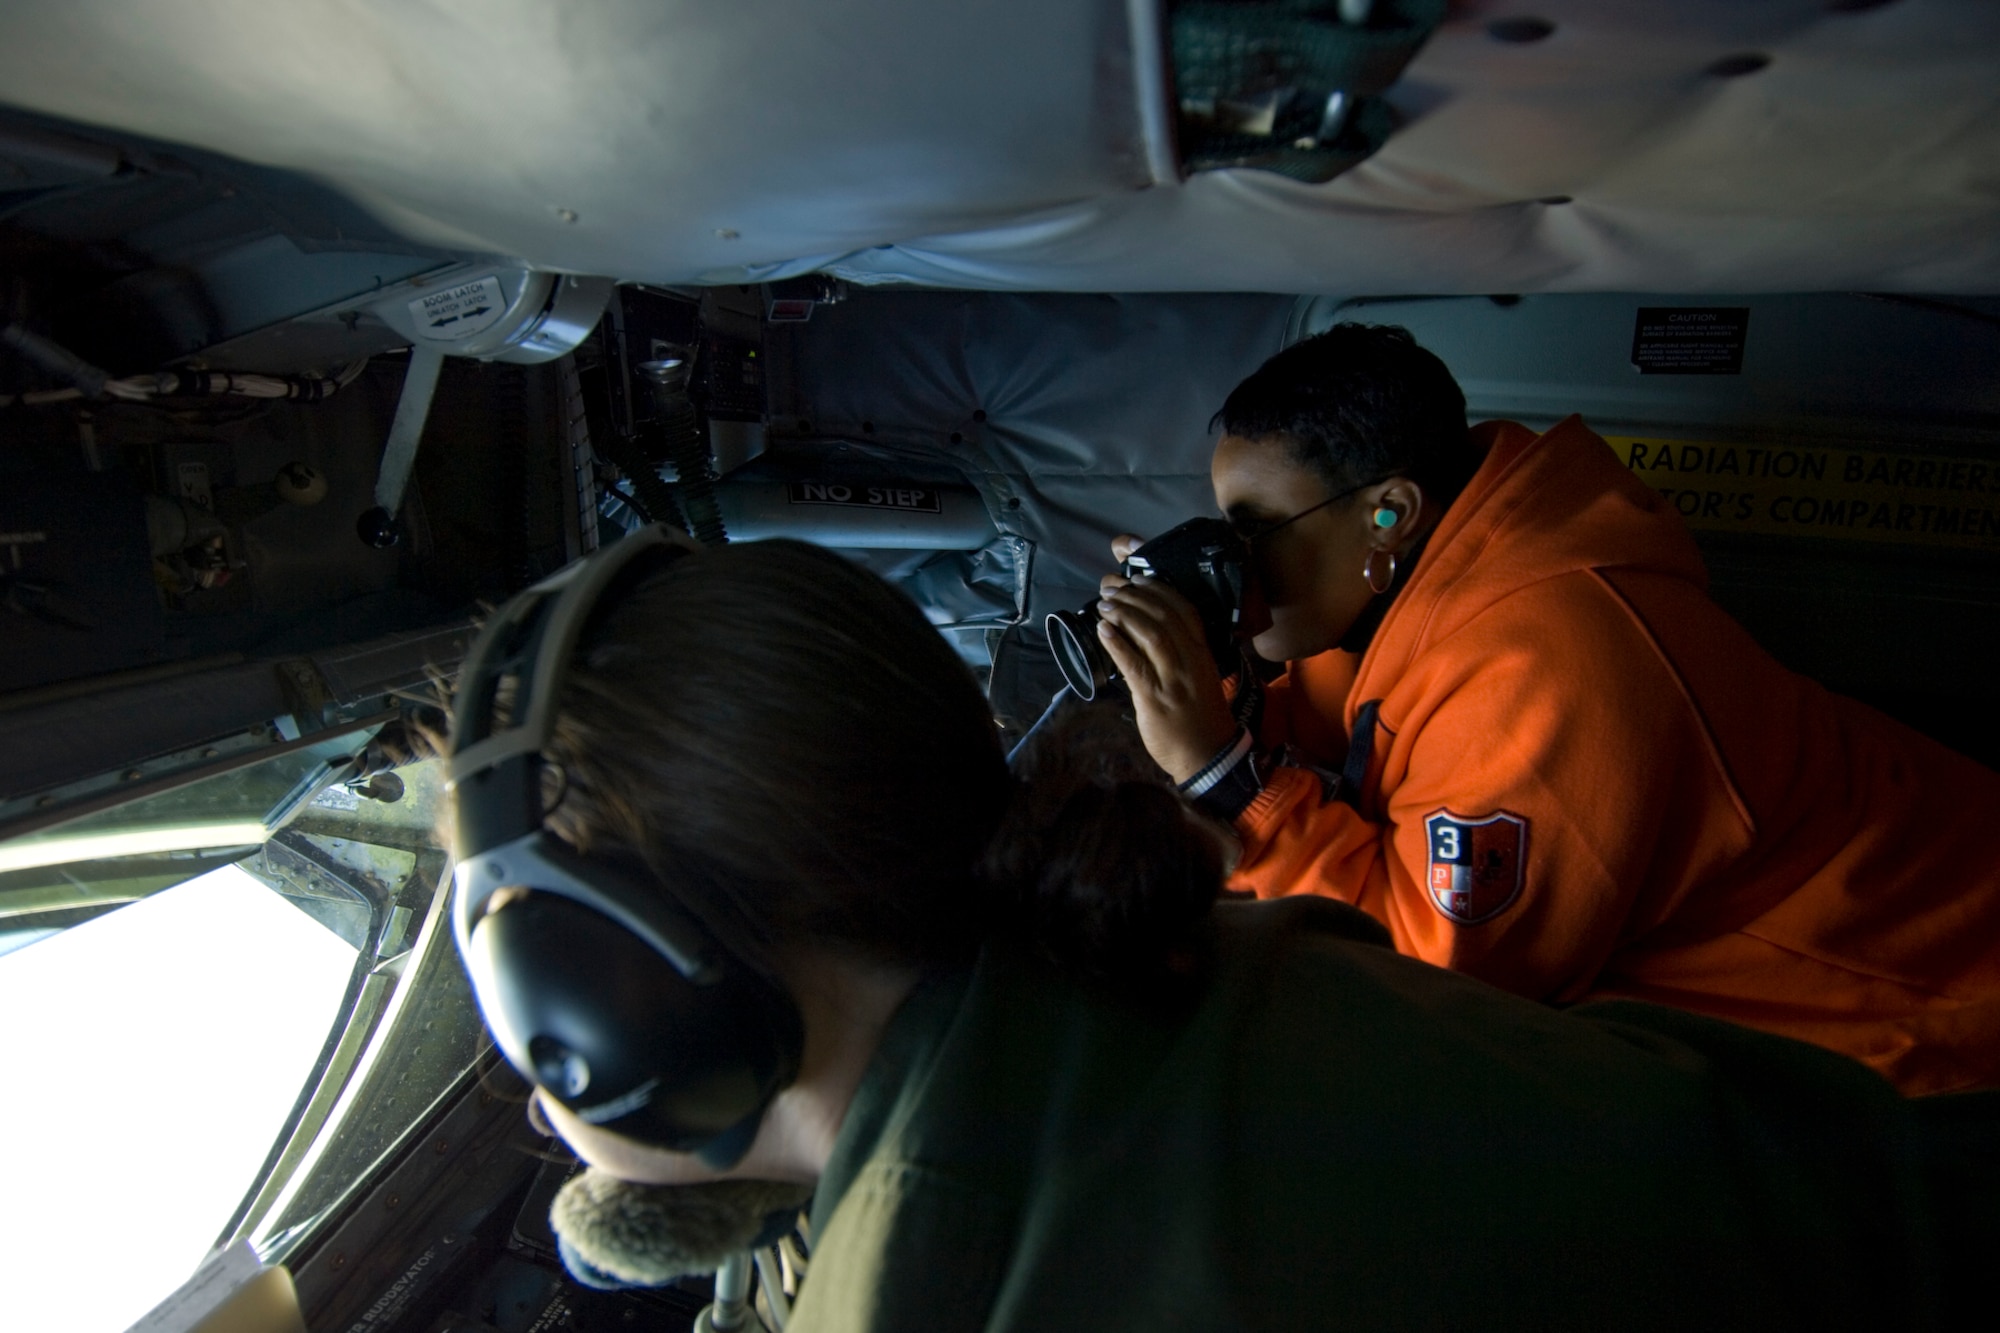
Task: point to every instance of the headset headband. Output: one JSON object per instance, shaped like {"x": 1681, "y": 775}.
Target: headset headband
{"x": 540, "y": 626}
{"x": 596, "y": 983}
{"x": 496, "y": 769}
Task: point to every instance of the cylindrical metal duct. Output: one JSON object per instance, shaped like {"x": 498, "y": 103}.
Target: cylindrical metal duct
{"x": 682, "y": 442}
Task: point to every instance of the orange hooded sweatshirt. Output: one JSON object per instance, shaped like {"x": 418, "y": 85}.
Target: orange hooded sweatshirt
{"x": 1587, "y": 781}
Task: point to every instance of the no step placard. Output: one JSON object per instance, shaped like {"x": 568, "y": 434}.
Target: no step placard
{"x": 889, "y": 495}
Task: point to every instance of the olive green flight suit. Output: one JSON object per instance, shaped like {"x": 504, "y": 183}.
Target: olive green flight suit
{"x": 1328, "y": 1135}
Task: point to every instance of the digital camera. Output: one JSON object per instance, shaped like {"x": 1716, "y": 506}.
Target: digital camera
{"x": 1203, "y": 560}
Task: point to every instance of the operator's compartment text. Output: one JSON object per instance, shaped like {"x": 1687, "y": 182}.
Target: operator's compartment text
{"x": 1812, "y": 491}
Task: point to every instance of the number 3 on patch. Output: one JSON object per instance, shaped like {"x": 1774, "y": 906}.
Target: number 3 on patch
{"x": 1477, "y": 866}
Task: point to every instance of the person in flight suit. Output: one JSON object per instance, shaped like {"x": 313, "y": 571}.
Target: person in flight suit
{"x": 1514, "y": 729}
{"x": 1046, "y": 1080}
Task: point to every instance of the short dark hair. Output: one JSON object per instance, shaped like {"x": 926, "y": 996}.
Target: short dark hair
{"x": 1357, "y": 403}
{"x": 784, "y": 740}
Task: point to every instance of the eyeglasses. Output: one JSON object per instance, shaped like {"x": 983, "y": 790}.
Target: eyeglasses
{"x": 1253, "y": 538}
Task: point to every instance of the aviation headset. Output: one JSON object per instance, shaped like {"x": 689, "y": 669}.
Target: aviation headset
{"x": 610, "y": 996}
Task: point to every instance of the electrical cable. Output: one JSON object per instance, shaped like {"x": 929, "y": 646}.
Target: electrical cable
{"x": 89, "y": 381}
{"x": 114, "y": 166}
{"x": 1062, "y": 696}
{"x": 652, "y": 498}
{"x": 57, "y": 193}
{"x": 1939, "y": 307}
{"x": 770, "y": 1278}
{"x": 684, "y": 443}
{"x": 53, "y": 358}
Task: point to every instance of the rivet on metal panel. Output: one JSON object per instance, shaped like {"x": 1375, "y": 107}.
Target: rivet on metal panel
{"x": 1736, "y": 66}
{"x": 392, "y": 1201}
{"x": 339, "y": 1261}
{"x": 1519, "y": 30}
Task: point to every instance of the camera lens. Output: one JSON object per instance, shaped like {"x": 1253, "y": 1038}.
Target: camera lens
{"x": 1073, "y": 639}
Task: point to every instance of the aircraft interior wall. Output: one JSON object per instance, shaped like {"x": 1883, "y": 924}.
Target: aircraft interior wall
{"x": 1841, "y": 480}
{"x": 941, "y": 288}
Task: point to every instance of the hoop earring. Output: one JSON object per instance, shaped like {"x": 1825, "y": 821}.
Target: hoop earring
{"x": 1381, "y": 584}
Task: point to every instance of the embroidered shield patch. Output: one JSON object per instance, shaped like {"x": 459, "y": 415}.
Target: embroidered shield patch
{"x": 1477, "y": 866}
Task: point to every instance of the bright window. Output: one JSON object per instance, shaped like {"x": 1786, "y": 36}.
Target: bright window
{"x": 152, "y": 1056}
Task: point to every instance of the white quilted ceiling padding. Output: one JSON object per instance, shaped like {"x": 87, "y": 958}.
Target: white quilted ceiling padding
{"x": 1006, "y": 145}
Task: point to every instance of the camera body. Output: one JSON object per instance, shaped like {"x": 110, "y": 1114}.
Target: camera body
{"x": 1203, "y": 560}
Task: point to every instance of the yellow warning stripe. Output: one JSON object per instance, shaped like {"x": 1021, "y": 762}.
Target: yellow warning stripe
{"x": 1782, "y": 490}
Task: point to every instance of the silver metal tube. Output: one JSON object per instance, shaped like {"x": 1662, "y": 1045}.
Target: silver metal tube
{"x": 1150, "y": 88}
{"x": 412, "y": 410}
{"x": 732, "y": 1293}
{"x": 770, "y": 1275}
{"x": 1334, "y": 119}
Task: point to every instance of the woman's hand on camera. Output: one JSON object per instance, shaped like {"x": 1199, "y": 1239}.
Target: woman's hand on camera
{"x": 1154, "y": 636}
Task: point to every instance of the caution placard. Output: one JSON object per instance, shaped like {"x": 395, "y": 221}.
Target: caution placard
{"x": 1869, "y": 495}
{"x": 1689, "y": 340}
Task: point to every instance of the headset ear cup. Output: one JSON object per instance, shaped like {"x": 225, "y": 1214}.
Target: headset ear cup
{"x": 612, "y": 1030}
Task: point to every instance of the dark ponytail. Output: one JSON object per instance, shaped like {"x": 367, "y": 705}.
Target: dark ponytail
{"x": 786, "y": 744}
{"x": 1099, "y": 864}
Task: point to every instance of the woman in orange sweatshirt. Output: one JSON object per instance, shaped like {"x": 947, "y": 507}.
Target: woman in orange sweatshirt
{"x": 1514, "y": 729}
